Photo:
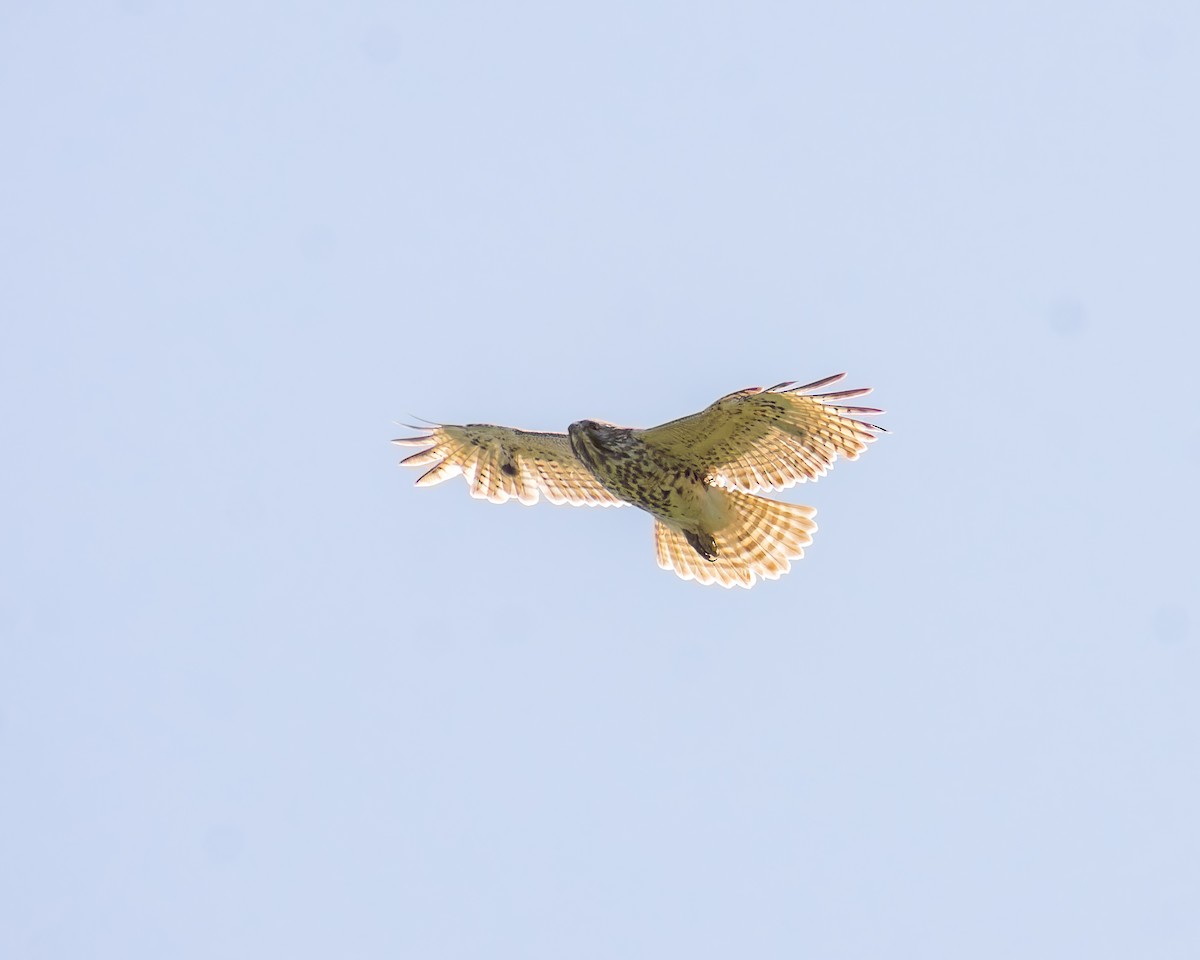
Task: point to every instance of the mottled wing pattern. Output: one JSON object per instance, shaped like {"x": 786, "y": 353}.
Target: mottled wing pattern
{"x": 769, "y": 439}
{"x": 500, "y": 463}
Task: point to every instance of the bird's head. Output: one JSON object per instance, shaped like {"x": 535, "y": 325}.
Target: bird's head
{"x": 591, "y": 439}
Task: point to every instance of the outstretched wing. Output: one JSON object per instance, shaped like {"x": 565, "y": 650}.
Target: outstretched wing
{"x": 770, "y": 439}
{"x": 500, "y": 462}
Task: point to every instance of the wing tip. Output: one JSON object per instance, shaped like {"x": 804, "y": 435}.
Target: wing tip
{"x": 437, "y": 474}
{"x": 817, "y": 384}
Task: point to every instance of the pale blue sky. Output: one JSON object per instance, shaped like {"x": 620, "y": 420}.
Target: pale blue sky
{"x": 259, "y": 697}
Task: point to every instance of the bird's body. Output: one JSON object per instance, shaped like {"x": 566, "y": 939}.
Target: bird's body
{"x": 695, "y": 475}
{"x": 665, "y": 486}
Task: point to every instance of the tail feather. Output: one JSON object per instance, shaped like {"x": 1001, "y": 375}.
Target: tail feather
{"x": 761, "y": 539}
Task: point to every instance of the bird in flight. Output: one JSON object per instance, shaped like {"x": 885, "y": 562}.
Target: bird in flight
{"x": 696, "y": 476}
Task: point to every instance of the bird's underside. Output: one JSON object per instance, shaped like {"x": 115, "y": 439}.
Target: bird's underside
{"x": 697, "y": 475}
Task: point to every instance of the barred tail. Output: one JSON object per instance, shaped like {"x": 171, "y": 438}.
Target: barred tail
{"x": 759, "y": 540}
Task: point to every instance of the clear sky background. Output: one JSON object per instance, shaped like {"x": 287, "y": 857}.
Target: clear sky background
{"x": 259, "y": 697}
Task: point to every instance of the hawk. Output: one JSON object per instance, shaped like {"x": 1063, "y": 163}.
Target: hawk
{"x": 696, "y": 476}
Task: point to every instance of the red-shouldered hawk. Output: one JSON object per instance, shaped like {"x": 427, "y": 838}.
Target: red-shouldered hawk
{"x": 696, "y": 476}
